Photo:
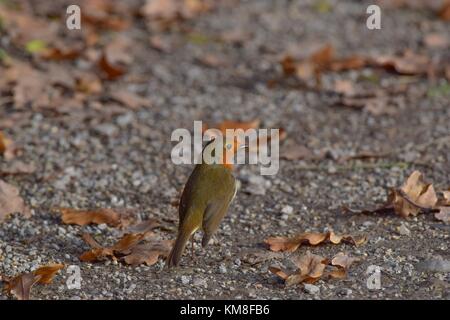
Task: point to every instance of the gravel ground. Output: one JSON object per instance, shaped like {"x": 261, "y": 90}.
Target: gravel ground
{"x": 116, "y": 157}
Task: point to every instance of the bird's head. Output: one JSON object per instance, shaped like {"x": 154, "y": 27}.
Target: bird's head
{"x": 222, "y": 150}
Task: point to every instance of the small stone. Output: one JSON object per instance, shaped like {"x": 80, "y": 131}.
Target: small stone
{"x": 185, "y": 280}
{"x": 287, "y": 210}
{"x": 200, "y": 282}
{"x": 311, "y": 289}
{"x": 403, "y": 230}
{"x": 222, "y": 269}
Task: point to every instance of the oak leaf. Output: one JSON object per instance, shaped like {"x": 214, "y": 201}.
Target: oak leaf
{"x": 310, "y": 238}
{"x": 11, "y": 202}
{"x": 20, "y": 286}
{"x": 112, "y": 217}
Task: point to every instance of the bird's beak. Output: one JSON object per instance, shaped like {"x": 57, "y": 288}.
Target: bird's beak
{"x": 243, "y": 146}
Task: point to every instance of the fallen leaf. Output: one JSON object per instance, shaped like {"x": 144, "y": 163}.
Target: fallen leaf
{"x": 144, "y": 226}
{"x": 166, "y": 12}
{"x": 112, "y": 217}
{"x": 444, "y": 12}
{"x": 345, "y": 87}
{"x": 129, "y": 249}
{"x": 7, "y": 148}
{"x": 104, "y": 14}
{"x": 212, "y": 61}
{"x": 344, "y": 261}
{"x": 297, "y": 152}
{"x": 20, "y": 286}
{"x": 130, "y": 99}
{"x": 413, "y": 196}
{"x": 408, "y": 63}
{"x": 11, "y": 202}
{"x": 148, "y": 253}
{"x": 436, "y": 40}
{"x": 443, "y": 214}
{"x": 16, "y": 168}
{"x": 310, "y": 238}
{"x": 310, "y": 268}
{"x": 318, "y": 62}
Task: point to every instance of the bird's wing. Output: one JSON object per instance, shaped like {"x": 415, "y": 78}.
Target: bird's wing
{"x": 218, "y": 207}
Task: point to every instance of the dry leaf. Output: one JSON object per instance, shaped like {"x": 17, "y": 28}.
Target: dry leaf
{"x": 414, "y": 196}
{"x": 310, "y": 268}
{"x": 318, "y": 62}
{"x": 148, "y": 253}
{"x": 11, "y": 202}
{"x": 407, "y": 64}
{"x": 443, "y": 214}
{"x": 165, "y": 12}
{"x": 436, "y": 40}
{"x": 444, "y": 12}
{"x": 311, "y": 238}
{"x": 113, "y": 217}
{"x": 7, "y": 148}
{"x": 129, "y": 249}
{"x": 20, "y": 286}
{"x": 130, "y": 99}
{"x": 16, "y": 168}
{"x": 345, "y": 87}
{"x": 297, "y": 152}
{"x": 342, "y": 260}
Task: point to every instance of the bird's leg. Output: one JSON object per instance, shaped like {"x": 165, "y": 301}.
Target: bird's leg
{"x": 192, "y": 248}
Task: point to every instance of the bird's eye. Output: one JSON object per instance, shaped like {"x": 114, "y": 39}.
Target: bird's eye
{"x": 229, "y": 146}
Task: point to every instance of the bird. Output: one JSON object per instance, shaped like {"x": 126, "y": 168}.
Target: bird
{"x": 210, "y": 189}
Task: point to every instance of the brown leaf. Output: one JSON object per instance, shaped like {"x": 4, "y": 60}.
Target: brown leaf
{"x": 111, "y": 71}
{"x": 130, "y": 99}
{"x": 318, "y": 62}
{"x": 335, "y": 239}
{"x": 413, "y": 196}
{"x": 210, "y": 60}
{"x": 169, "y": 11}
{"x": 279, "y": 272}
{"x": 443, "y": 214}
{"x": 446, "y": 200}
{"x": 46, "y": 273}
{"x": 20, "y": 286}
{"x": 297, "y": 152}
{"x": 128, "y": 249}
{"x": 444, "y": 12}
{"x": 144, "y": 226}
{"x": 345, "y": 87}
{"x": 310, "y": 238}
{"x": 7, "y": 148}
{"x": 436, "y": 40}
{"x": 310, "y": 268}
{"x": 11, "y": 202}
{"x": 344, "y": 261}
{"x": 407, "y": 64}
{"x": 113, "y": 217}
{"x": 17, "y": 167}
{"x": 148, "y": 253}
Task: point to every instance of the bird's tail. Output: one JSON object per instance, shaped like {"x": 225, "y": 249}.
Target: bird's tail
{"x": 174, "y": 257}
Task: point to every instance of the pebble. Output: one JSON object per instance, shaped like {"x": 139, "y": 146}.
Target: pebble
{"x": 311, "y": 289}
{"x": 287, "y": 210}
{"x": 403, "y": 230}
{"x": 222, "y": 269}
{"x": 185, "y": 280}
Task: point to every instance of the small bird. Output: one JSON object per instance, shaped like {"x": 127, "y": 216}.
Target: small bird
{"x": 205, "y": 200}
